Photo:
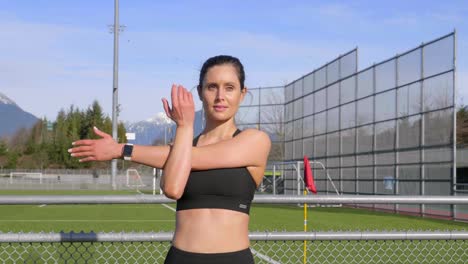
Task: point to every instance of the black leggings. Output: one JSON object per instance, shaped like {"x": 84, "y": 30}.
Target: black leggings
{"x": 177, "y": 256}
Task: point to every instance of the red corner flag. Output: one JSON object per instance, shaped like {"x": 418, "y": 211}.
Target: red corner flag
{"x": 308, "y": 176}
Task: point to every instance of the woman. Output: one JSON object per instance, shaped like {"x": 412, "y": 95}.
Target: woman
{"x": 213, "y": 177}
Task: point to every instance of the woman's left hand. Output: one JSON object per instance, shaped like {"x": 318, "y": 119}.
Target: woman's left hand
{"x": 183, "y": 108}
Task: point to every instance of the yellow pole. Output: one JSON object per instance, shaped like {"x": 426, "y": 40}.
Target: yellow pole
{"x": 305, "y": 228}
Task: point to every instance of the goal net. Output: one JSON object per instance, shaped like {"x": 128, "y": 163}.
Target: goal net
{"x": 133, "y": 179}
{"x": 25, "y": 177}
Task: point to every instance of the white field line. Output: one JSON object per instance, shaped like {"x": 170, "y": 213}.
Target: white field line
{"x": 94, "y": 205}
{"x": 168, "y": 207}
{"x": 264, "y": 257}
{"x": 85, "y": 220}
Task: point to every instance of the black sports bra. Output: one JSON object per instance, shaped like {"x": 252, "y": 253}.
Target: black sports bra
{"x": 228, "y": 188}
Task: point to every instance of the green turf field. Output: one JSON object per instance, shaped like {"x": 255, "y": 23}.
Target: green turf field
{"x": 157, "y": 217}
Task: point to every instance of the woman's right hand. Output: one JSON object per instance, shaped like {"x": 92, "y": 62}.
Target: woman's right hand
{"x": 104, "y": 148}
{"x": 183, "y": 108}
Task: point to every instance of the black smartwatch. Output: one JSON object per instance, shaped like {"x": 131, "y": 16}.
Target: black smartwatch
{"x": 127, "y": 151}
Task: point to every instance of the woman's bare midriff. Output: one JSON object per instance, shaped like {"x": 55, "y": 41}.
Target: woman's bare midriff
{"x": 211, "y": 230}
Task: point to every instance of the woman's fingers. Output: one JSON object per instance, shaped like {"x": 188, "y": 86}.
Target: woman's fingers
{"x": 182, "y": 94}
{"x": 190, "y": 97}
{"x": 100, "y": 133}
{"x": 87, "y": 159}
{"x": 83, "y": 142}
{"x": 80, "y": 149}
{"x": 174, "y": 98}
{"x": 182, "y": 103}
{"x": 83, "y": 154}
{"x": 166, "y": 108}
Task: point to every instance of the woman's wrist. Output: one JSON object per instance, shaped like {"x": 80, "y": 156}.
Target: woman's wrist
{"x": 185, "y": 126}
{"x": 118, "y": 153}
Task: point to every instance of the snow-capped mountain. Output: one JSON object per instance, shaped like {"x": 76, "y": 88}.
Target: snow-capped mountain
{"x": 151, "y": 129}
{"x": 160, "y": 118}
{"x": 5, "y": 100}
{"x": 158, "y": 128}
{"x": 12, "y": 117}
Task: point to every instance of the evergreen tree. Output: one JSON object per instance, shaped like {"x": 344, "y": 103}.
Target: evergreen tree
{"x": 462, "y": 125}
{"x": 12, "y": 159}
{"x": 42, "y": 147}
{"x": 94, "y": 117}
{"x": 3, "y": 147}
{"x": 121, "y": 133}
{"x": 61, "y": 142}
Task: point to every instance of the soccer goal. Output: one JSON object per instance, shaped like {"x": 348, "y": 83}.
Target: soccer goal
{"x": 25, "y": 177}
{"x": 133, "y": 179}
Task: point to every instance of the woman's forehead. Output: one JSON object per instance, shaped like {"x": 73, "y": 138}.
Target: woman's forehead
{"x": 222, "y": 73}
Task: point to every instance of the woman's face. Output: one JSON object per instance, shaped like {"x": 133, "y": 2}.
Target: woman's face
{"x": 221, "y": 92}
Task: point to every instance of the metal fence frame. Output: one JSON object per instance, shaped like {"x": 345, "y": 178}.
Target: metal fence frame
{"x": 254, "y": 236}
{"x": 267, "y": 247}
{"x": 260, "y": 199}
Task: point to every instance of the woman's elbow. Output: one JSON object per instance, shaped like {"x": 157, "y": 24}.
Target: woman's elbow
{"x": 172, "y": 192}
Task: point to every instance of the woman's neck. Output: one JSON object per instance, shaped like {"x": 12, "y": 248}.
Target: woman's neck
{"x": 219, "y": 130}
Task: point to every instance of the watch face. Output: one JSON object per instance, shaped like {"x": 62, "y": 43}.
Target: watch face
{"x": 127, "y": 151}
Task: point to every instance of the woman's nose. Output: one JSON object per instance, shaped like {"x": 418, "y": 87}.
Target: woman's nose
{"x": 220, "y": 94}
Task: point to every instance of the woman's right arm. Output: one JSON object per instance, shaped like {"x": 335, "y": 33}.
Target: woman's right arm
{"x": 176, "y": 160}
{"x": 106, "y": 148}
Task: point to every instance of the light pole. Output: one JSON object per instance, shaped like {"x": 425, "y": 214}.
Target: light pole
{"x": 115, "y": 88}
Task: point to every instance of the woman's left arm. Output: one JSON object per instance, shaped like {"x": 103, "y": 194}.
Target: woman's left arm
{"x": 179, "y": 161}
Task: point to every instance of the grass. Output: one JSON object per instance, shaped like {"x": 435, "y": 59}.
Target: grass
{"x": 156, "y": 217}
{"x": 264, "y": 217}
{"x": 65, "y": 192}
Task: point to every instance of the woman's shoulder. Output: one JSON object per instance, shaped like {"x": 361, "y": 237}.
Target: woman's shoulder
{"x": 254, "y": 134}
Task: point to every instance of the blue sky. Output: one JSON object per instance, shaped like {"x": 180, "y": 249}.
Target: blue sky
{"x": 57, "y": 53}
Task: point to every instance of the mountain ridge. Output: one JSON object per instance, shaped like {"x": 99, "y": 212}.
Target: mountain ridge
{"x": 13, "y": 117}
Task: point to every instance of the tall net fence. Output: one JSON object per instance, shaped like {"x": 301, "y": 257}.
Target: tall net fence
{"x": 337, "y": 247}
{"x": 386, "y": 129}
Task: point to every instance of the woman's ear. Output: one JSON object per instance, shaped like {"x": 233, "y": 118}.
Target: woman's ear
{"x": 243, "y": 93}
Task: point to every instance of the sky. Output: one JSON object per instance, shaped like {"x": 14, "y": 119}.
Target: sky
{"x": 54, "y": 54}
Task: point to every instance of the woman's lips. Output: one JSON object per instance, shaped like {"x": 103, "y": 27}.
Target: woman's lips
{"x": 219, "y": 108}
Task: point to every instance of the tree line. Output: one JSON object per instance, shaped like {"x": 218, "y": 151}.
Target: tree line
{"x": 462, "y": 126}
{"x": 45, "y": 145}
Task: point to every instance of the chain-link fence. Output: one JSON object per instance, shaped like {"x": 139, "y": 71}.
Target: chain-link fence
{"x": 272, "y": 247}
{"x": 143, "y": 178}
{"x": 267, "y": 247}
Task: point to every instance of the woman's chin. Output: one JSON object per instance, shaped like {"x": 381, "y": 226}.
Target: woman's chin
{"x": 219, "y": 117}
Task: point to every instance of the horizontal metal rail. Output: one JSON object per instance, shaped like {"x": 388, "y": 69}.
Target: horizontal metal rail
{"x": 254, "y": 236}
{"x": 259, "y": 199}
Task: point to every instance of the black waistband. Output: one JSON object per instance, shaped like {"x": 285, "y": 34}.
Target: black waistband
{"x": 222, "y": 254}
{"x": 178, "y": 256}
